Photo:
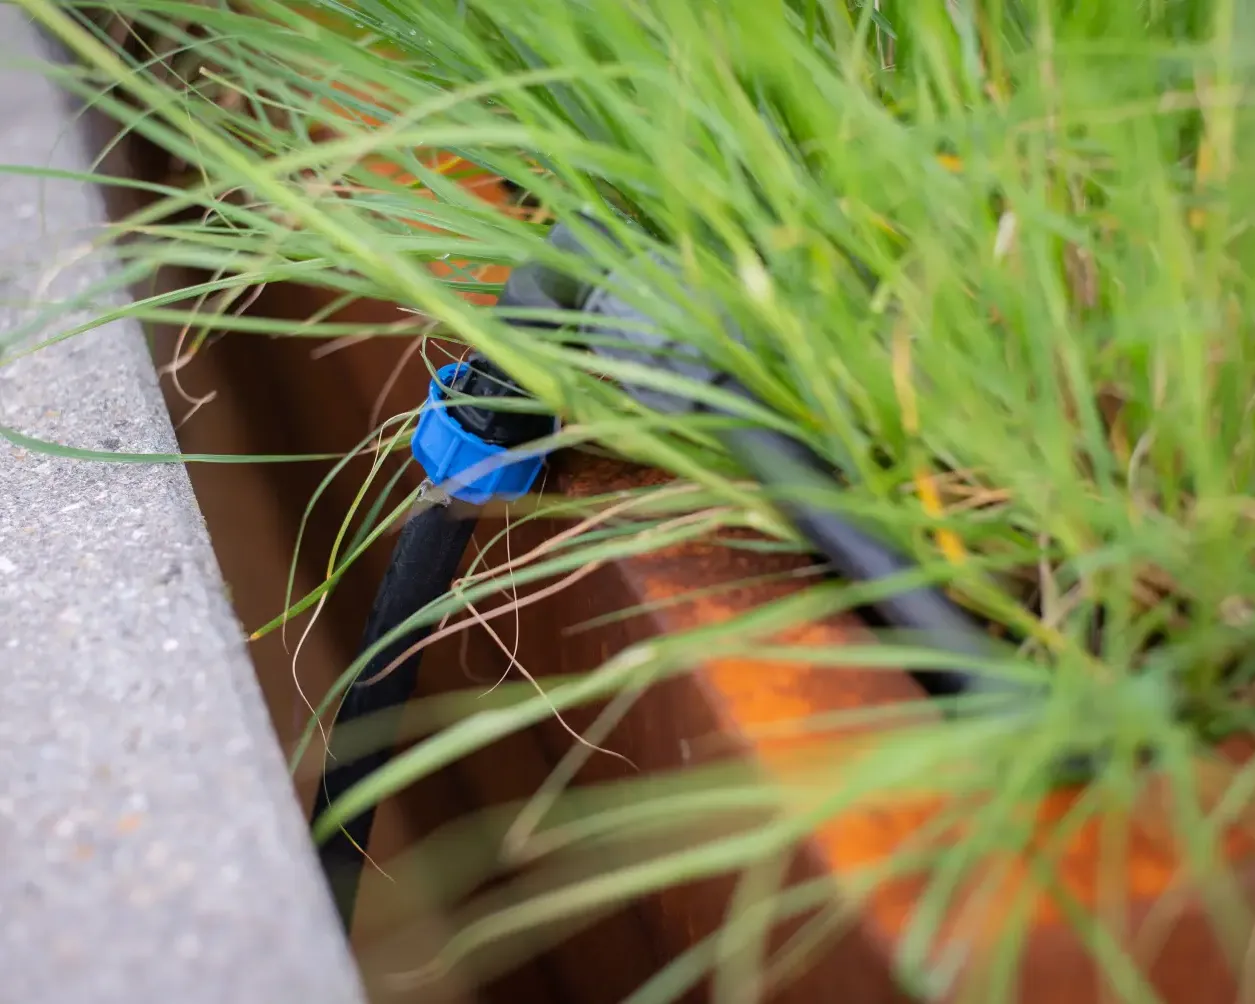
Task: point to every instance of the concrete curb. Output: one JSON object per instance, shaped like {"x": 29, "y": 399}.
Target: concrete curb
{"x": 151, "y": 847}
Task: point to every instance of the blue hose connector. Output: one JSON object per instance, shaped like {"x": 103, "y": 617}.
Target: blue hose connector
{"x": 446, "y": 450}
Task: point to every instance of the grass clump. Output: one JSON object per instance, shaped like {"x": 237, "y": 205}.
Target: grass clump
{"x": 990, "y": 260}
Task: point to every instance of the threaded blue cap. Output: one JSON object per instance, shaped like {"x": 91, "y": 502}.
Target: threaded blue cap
{"x": 446, "y": 450}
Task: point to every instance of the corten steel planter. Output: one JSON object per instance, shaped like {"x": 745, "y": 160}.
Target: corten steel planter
{"x": 737, "y": 698}
{"x": 275, "y": 396}
{"x": 718, "y": 710}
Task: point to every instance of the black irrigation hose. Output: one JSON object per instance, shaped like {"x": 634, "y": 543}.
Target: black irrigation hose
{"x": 788, "y": 466}
{"x": 424, "y": 562}
{"x": 772, "y": 458}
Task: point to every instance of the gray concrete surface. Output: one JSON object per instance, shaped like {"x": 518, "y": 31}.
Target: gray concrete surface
{"x": 151, "y": 849}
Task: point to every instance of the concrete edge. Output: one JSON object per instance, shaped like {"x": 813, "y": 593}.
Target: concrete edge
{"x": 151, "y": 845}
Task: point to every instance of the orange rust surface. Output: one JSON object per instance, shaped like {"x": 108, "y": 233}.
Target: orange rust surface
{"x": 754, "y": 699}
{"x": 758, "y": 700}
{"x": 754, "y": 694}
{"x": 484, "y": 185}
{"x": 480, "y": 183}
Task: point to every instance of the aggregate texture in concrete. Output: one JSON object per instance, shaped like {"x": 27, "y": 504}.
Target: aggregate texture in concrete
{"x": 151, "y": 848}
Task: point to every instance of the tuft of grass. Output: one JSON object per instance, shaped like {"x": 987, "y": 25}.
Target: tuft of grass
{"x": 989, "y": 260}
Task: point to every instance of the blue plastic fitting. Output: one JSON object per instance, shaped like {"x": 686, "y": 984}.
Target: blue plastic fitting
{"x": 446, "y": 450}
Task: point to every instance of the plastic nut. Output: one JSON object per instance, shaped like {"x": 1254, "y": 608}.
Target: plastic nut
{"x": 447, "y": 452}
